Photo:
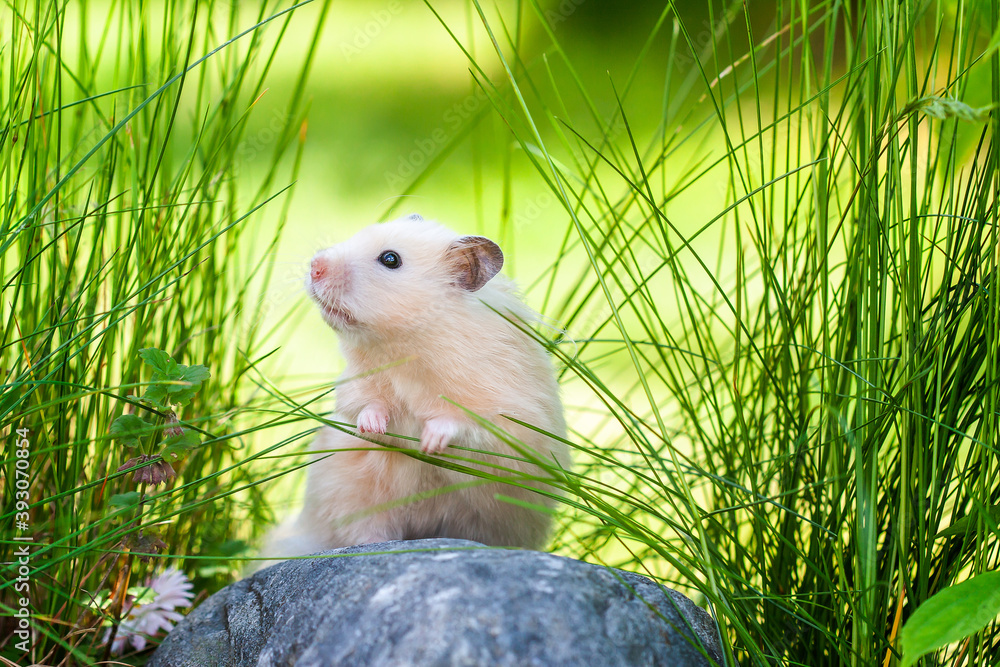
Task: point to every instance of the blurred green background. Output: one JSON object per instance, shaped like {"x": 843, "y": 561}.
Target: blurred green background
{"x": 770, "y": 294}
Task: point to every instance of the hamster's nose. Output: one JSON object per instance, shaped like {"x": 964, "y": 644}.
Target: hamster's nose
{"x": 318, "y": 268}
{"x": 328, "y": 271}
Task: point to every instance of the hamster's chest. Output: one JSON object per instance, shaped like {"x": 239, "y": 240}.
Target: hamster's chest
{"x": 406, "y": 392}
{"x": 412, "y": 395}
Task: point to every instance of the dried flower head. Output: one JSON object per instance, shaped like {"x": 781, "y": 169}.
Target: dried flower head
{"x": 144, "y": 544}
{"x": 155, "y": 473}
{"x": 173, "y": 425}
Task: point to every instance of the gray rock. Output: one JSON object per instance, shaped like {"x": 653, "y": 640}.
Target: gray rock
{"x": 441, "y": 602}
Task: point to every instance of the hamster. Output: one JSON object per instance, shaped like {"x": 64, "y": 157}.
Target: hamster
{"x": 422, "y": 316}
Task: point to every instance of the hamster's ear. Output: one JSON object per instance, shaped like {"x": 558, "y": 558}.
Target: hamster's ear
{"x": 473, "y": 260}
{"x": 415, "y": 217}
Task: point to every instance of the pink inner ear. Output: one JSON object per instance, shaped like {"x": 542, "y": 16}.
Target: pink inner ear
{"x": 474, "y": 261}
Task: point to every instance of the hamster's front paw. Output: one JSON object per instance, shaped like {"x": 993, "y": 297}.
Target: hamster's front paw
{"x": 438, "y": 432}
{"x": 373, "y": 419}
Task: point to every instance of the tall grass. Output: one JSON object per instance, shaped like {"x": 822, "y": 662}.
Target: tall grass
{"x": 798, "y": 390}
{"x": 128, "y": 222}
{"x": 785, "y": 405}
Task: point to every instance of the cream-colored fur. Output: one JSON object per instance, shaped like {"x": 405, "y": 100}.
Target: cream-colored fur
{"x": 411, "y": 335}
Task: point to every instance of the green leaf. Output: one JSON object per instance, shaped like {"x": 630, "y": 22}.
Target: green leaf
{"x": 178, "y": 446}
{"x": 963, "y": 525}
{"x": 98, "y": 601}
{"x": 195, "y": 375}
{"x": 952, "y": 614}
{"x": 159, "y": 360}
{"x": 124, "y": 499}
{"x": 213, "y": 570}
{"x": 168, "y": 376}
{"x": 232, "y": 547}
{"x": 127, "y": 430}
{"x": 157, "y": 395}
{"x": 142, "y": 594}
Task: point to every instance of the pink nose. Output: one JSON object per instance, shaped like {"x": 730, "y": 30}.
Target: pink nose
{"x": 318, "y": 268}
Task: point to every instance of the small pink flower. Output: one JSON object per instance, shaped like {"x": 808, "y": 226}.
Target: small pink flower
{"x": 171, "y": 590}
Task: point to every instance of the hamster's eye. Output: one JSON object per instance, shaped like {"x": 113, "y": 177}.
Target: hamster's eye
{"x": 390, "y": 259}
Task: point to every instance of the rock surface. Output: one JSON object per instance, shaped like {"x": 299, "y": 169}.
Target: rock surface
{"x": 441, "y": 602}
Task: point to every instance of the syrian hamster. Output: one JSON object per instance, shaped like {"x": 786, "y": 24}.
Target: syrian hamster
{"x": 423, "y": 315}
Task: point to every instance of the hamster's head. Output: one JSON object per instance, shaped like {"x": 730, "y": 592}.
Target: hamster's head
{"x": 400, "y": 276}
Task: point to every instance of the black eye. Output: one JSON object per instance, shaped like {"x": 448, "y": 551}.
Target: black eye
{"x": 390, "y": 259}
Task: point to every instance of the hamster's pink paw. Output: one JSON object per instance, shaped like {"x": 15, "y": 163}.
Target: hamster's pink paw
{"x": 437, "y": 433}
{"x": 373, "y": 419}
